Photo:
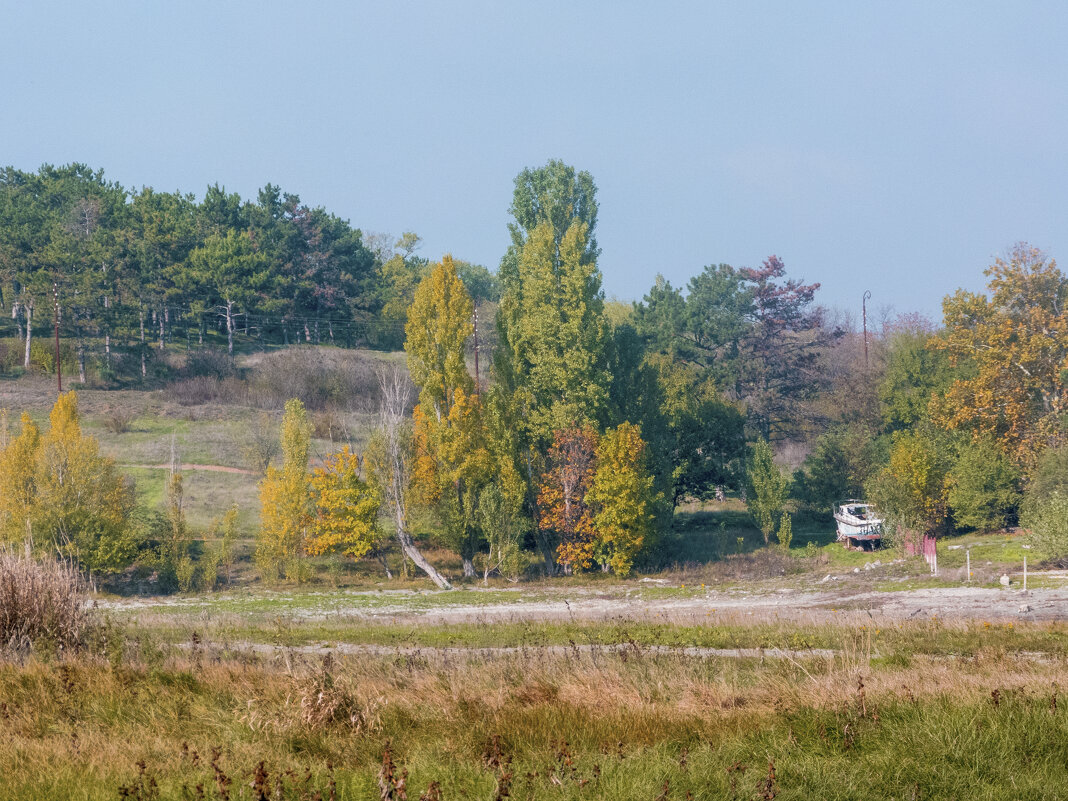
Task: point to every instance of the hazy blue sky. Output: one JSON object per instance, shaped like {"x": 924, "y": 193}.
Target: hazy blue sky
{"x": 896, "y": 147}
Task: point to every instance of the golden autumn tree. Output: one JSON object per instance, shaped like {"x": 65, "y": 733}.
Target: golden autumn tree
{"x": 346, "y": 507}
{"x": 451, "y": 458}
{"x": 285, "y": 498}
{"x": 911, "y": 491}
{"x": 58, "y": 492}
{"x": 18, "y": 482}
{"x": 1015, "y": 343}
{"x": 562, "y": 507}
{"x": 621, "y": 496}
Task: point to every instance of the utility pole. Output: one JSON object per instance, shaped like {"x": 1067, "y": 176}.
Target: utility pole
{"x": 478, "y": 387}
{"x": 59, "y": 367}
{"x": 864, "y": 316}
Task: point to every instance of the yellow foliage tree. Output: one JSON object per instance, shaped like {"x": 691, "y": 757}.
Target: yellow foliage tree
{"x": 83, "y": 502}
{"x": 1015, "y": 343}
{"x": 18, "y": 482}
{"x": 622, "y": 498}
{"x": 57, "y": 491}
{"x": 451, "y": 458}
{"x": 346, "y": 507}
{"x": 285, "y": 498}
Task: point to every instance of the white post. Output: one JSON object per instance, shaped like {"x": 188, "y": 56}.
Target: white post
{"x": 1025, "y": 574}
{"x": 969, "y": 555}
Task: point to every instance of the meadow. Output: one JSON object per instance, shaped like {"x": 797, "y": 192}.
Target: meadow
{"x": 724, "y": 670}
{"x": 624, "y": 710}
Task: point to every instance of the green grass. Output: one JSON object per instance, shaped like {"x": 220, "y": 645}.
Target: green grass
{"x": 579, "y": 726}
{"x": 715, "y": 630}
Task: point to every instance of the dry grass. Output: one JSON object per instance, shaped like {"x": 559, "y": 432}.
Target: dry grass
{"x": 632, "y": 724}
{"x": 41, "y": 602}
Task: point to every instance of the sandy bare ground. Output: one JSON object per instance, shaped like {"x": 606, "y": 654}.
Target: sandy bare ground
{"x": 638, "y": 603}
{"x": 946, "y": 603}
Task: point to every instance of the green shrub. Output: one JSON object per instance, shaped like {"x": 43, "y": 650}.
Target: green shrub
{"x": 836, "y": 469}
{"x": 1050, "y": 475}
{"x": 185, "y": 573}
{"x": 786, "y": 531}
{"x": 983, "y": 487}
{"x": 1049, "y": 526}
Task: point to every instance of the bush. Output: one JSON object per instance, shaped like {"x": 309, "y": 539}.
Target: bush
{"x": 983, "y": 487}
{"x": 118, "y": 419}
{"x": 41, "y": 603}
{"x": 195, "y": 391}
{"x": 1050, "y": 476}
{"x": 1049, "y": 526}
{"x": 328, "y": 424}
{"x": 208, "y": 363}
{"x": 320, "y": 377}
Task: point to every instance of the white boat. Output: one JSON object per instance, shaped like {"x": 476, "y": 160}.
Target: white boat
{"x": 858, "y": 525}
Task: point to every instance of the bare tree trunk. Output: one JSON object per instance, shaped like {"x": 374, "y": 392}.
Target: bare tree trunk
{"x": 28, "y": 308}
{"x": 230, "y": 328}
{"x": 144, "y": 370}
{"x": 380, "y": 555}
{"x": 160, "y": 316}
{"x": 15, "y": 308}
{"x": 107, "y": 332}
{"x": 396, "y": 396}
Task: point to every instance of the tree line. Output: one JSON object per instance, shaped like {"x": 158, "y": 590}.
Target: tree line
{"x": 595, "y": 420}
{"x": 136, "y": 271}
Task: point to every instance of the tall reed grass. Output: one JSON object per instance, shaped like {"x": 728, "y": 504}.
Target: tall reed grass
{"x": 41, "y": 603}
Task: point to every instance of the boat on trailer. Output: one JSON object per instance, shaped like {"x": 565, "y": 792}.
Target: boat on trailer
{"x": 858, "y": 525}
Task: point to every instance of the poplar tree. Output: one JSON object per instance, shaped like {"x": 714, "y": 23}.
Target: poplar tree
{"x": 18, "y": 483}
{"x": 766, "y": 493}
{"x": 551, "y": 364}
{"x": 452, "y": 461}
{"x": 285, "y": 498}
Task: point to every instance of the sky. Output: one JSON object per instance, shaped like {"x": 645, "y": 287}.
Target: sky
{"x": 891, "y": 147}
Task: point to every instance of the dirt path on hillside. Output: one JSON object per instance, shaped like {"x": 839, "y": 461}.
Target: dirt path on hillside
{"x": 208, "y": 468}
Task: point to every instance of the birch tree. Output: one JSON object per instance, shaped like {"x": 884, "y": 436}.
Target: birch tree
{"x": 391, "y": 460}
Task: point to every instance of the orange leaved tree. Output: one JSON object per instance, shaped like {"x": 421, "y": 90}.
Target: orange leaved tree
{"x": 562, "y": 506}
{"x": 1016, "y": 344}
